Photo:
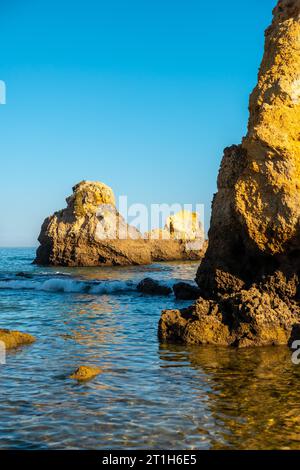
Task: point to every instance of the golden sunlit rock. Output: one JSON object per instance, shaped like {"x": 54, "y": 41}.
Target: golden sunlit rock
{"x": 91, "y": 232}
{"x": 88, "y": 195}
{"x": 185, "y": 225}
{"x": 255, "y": 228}
{"x": 249, "y": 277}
{"x": 85, "y": 373}
{"x": 13, "y": 339}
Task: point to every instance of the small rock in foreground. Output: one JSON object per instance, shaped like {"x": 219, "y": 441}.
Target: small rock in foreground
{"x": 85, "y": 373}
{"x": 13, "y": 339}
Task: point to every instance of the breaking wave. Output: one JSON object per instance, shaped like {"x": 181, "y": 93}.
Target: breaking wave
{"x": 69, "y": 286}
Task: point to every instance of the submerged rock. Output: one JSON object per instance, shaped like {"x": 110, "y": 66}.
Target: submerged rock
{"x": 85, "y": 373}
{"x": 13, "y": 339}
{"x": 91, "y": 232}
{"x": 152, "y": 287}
{"x": 185, "y": 291}
{"x": 253, "y": 255}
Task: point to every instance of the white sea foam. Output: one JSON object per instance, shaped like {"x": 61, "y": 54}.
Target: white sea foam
{"x": 69, "y": 285}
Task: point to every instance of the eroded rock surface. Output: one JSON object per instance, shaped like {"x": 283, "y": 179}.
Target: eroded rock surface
{"x": 91, "y": 232}
{"x": 249, "y": 277}
{"x": 256, "y": 212}
{"x": 247, "y": 318}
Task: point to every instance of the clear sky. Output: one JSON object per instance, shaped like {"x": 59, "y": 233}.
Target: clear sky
{"x": 140, "y": 94}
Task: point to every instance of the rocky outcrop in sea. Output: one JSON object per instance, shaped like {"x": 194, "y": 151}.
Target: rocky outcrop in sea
{"x": 249, "y": 277}
{"x": 91, "y": 232}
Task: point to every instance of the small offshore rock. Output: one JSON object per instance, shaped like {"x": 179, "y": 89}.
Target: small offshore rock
{"x": 14, "y": 339}
{"x": 185, "y": 291}
{"x": 151, "y": 287}
{"x": 85, "y": 373}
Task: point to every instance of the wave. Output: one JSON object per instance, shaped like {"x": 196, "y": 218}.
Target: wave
{"x": 69, "y": 286}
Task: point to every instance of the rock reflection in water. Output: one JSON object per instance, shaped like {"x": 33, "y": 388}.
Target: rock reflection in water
{"x": 252, "y": 395}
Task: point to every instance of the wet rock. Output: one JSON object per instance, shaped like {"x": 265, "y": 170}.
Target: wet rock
{"x": 185, "y": 291}
{"x": 85, "y": 373}
{"x": 152, "y": 287}
{"x": 247, "y": 318}
{"x": 199, "y": 324}
{"x": 13, "y": 339}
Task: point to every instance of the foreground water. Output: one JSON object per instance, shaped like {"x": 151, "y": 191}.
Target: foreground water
{"x": 148, "y": 395}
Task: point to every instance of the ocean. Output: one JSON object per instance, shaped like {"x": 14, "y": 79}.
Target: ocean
{"x": 148, "y": 395}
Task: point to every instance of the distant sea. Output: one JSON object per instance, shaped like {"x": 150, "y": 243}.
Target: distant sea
{"x": 148, "y": 395}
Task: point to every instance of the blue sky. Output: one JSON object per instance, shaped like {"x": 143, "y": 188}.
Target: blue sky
{"x": 142, "y": 95}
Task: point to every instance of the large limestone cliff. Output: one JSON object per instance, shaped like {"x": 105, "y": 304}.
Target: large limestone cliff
{"x": 250, "y": 274}
{"x": 255, "y": 214}
{"x": 91, "y": 232}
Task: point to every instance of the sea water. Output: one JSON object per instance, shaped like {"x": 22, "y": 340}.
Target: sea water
{"x": 147, "y": 395}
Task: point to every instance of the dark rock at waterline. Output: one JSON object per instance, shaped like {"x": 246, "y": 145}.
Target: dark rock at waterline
{"x": 151, "y": 287}
{"x": 185, "y": 291}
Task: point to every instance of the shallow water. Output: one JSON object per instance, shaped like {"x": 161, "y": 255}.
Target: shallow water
{"x": 148, "y": 395}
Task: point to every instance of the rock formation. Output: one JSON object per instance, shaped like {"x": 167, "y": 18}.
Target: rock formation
{"x": 150, "y": 286}
{"x": 14, "y": 339}
{"x": 83, "y": 373}
{"x": 91, "y": 232}
{"x": 182, "y": 238}
{"x": 249, "y": 278}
